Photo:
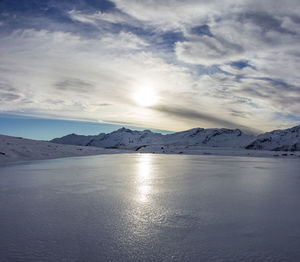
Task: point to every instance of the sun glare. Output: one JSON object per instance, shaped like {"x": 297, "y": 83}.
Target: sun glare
{"x": 145, "y": 97}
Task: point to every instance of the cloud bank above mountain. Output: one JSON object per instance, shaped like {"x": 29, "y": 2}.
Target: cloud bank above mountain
{"x": 217, "y": 64}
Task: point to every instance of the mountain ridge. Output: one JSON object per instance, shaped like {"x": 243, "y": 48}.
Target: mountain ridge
{"x": 124, "y": 138}
{"x": 278, "y": 140}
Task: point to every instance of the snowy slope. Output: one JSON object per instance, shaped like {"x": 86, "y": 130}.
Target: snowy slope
{"x": 128, "y": 139}
{"x": 73, "y": 139}
{"x": 278, "y": 140}
{"x": 209, "y": 137}
{"x": 122, "y": 138}
{"x": 13, "y": 149}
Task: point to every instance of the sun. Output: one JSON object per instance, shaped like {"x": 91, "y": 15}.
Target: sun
{"x": 145, "y": 97}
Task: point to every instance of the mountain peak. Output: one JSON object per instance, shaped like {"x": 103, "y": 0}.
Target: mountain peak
{"x": 122, "y": 129}
{"x": 288, "y": 139}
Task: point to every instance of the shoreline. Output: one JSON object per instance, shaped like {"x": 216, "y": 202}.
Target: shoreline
{"x": 19, "y": 150}
{"x": 206, "y": 152}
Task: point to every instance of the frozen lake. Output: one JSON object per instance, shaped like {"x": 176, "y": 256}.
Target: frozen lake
{"x": 144, "y": 207}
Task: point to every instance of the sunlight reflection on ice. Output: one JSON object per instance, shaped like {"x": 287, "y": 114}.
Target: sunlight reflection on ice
{"x": 144, "y": 170}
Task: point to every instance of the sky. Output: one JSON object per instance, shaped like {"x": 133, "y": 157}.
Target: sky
{"x": 167, "y": 65}
{"x": 47, "y": 129}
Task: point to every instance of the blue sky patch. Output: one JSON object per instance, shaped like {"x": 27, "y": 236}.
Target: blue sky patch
{"x": 201, "y": 30}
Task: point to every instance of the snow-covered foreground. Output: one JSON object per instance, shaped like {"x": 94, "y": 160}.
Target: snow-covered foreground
{"x": 15, "y": 149}
{"x": 148, "y": 207}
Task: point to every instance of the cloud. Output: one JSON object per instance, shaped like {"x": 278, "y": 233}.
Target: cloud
{"x": 170, "y": 15}
{"x": 229, "y": 63}
{"x": 123, "y": 40}
{"x": 98, "y": 17}
{"x": 264, "y": 21}
{"x": 76, "y": 85}
{"x": 106, "y": 74}
{"x": 212, "y": 120}
{"x": 8, "y": 97}
{"x": 173, "y": 13}
{"x": 207, "y": 50}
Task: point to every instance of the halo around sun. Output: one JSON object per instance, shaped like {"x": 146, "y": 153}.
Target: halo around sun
{"x": 145, "y": 97}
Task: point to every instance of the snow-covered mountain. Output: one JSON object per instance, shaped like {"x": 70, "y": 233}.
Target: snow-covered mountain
{"x": 212, "y": 137}
{"x": 197, "y": 141}
{"x": 278, "y": 140}
{"x": 73, "y": 139}
{"x": 128, "y": 139}
{"x": 123, "y": 138}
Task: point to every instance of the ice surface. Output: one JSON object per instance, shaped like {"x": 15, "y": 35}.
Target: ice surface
{"x": 145, "y": 207}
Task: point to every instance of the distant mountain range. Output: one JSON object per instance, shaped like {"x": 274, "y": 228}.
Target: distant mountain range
{"x": 278, "y": 140}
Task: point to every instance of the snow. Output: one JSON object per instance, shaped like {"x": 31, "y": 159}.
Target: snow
{"x": 73, "y": 139}
{"x": 128, "y": 139}
{"x": 278, "y": 140}
{"x": 221, "y": 151}
{"x": 214, "y": 141}
{"x": 125, "y": 139}
{"x": 210, "y": 137}
{"x": 15, "y": 149}
{"x": 197, "y": 141}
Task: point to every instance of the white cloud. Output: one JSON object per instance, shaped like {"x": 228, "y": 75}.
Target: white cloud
{"x": 123, "y": 41}
{"x": 98, "y": 16}
{"x": 65, "y": 75}
{"x": 172, "y": 14}
{"x": 207, "y": 50}
{"x": 61, "y": 74}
